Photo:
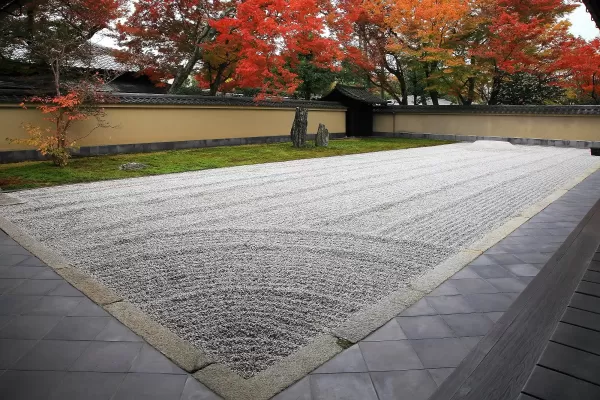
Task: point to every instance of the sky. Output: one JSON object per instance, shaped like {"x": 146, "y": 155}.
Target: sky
{"x": 582, "y": 24}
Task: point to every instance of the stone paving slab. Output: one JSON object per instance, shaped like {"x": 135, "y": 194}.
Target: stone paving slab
{"x": 441, "y": 328}
{"x": 56, "y": 344}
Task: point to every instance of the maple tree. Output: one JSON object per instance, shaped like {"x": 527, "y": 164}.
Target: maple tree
{"x": 523, "y": 36}
{"x": 224, "y": 44}
{"x": 55, "y": 35}
{"x": 467, "y": 49}
{"x": 168, "y": 40}
{"x": 580, "y": 61}
{"x": 62, "y": 111}
{"x": 400, "y": 37}
{"x": 272, "y": 37}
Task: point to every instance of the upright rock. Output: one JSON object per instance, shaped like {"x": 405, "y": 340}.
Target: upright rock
{"x": 322, "y": 138}
{"x": 299, "y": 126}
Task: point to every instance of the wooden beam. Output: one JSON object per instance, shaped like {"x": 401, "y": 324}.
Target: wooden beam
{"x": 499, "y": 366}
{"x": 593, "y": 7}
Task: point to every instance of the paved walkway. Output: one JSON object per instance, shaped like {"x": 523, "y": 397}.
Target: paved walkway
{"x": 409, "y": 357}
{"x": 56, "y": 344}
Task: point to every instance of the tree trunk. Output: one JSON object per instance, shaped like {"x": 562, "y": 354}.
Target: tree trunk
{"x": 415, "y": 82}
{"x": 182, "y": 75}
{"x": 307, "y": 94}
{"x": 30, "y": 23}
{"x": 404, "y": 91}
{"x": 434, "y": 97}
{"x": 496, "y": 85}
{"x": 399, "y": 74}
{"x": 432, "y": 93}
{"x": 298, "y": 132}
{"x": 214, "y": 85}
{"x": 594, "y": 94}
{"x": 470, "y": 91}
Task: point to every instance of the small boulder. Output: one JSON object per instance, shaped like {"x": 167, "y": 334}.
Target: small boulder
{"x": 132, "y": 166}
{"x": 322, "y": 138}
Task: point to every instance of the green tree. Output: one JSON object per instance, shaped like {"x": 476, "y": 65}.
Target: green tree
{"x": 525, "y": 88}
{"x": 314, "y": 79}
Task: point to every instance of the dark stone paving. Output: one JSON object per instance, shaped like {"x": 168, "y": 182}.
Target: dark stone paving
{"x": 55, "y": 343}
{"x": 410, "y": 356}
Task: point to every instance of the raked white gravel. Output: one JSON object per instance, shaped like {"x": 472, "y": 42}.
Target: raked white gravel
{"x": 250, "y": 263}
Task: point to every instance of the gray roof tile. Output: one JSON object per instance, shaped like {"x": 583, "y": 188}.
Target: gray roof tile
{"x": 485, "y": 109}
{"x": 169, "y": 99}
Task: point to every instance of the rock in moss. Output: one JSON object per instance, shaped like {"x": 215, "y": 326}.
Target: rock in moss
{"x": 132, "y": 166}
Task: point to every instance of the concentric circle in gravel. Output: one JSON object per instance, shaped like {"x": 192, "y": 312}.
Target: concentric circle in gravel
{"x": 250, "y": 263}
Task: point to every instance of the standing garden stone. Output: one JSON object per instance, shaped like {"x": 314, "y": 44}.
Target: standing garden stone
{"x": 322, "y": 138}
{"x": 298, "y": 132}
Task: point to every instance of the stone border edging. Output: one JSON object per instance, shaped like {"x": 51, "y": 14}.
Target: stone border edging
{"x": 8, "y": 200}
{"x": 580, "y": 144}
{"x": 288, "y": 370}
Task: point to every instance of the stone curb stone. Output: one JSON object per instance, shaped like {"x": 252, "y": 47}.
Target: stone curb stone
{"x": 96, "y": 291}
{"x": 498, "y": 234}
{"x": 274, "y": 379}
{"x": 365, "y": 321}
{"x": 180, "y": 351}
{"x": 48, "y": 256}
{"x": 443, "y": 271}
{"x": 175, "y": 348}
{"x": 8, "y": 200}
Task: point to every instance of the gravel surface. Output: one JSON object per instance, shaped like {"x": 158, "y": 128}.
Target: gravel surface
{"x": 251, "y": 262}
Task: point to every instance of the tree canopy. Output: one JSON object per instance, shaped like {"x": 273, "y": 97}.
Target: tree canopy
{"x": 469, "y": 51}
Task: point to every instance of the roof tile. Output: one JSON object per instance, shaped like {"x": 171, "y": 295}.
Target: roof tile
{"x": 485, "y": 109}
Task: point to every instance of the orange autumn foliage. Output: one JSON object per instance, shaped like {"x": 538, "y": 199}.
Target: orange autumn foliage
{"x": 62, "y": 112}
{"x": 462, "y": 46}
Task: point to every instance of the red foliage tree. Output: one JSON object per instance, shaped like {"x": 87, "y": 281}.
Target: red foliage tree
{"x": 251, "y": 43}
{"x": 270, "y": 36}
{"x": 166, "y": 38}
{"x": 523, "y": 36}
{"x": 580, "y": 62}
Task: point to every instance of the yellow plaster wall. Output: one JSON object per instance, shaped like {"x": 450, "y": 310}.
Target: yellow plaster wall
{"x": 563, "y": 127}
{"x": 147, "y": 124}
